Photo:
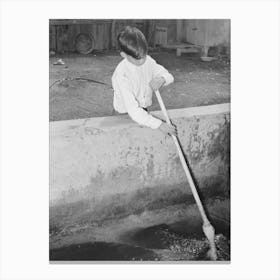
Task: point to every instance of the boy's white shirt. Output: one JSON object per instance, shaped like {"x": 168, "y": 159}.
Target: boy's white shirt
{"x": 132, "y": 92}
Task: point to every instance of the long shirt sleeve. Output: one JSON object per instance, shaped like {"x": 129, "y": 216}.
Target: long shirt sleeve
{"x": 122, "y": 85}
{"x": 160, "y": 71}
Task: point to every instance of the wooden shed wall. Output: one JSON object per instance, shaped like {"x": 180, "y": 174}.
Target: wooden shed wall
{"x": 104, "y": 32}
{"x": 64, "y": 38}
{"x": 204, "y": 32}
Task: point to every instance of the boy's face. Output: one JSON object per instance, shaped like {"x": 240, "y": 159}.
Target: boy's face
{"x": 137, "y": 62}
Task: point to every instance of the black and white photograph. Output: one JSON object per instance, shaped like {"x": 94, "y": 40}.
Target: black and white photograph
{"x": 139, "y": 140}
{"x": 139, "y": 123}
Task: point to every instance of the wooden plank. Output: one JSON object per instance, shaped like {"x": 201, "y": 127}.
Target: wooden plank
{"x": 77, "y": 21}
{"x": 151, "y": 31}
{"x": 65, "y": 38}
{"x": 59, "y": 34}
{"x": 179, "y": 51}
{"x": 72, "y": 33}
{"x": 103, "y": 36}
{"x": 171, "y": 31}
{"x": 106, "y": 36}
{"x": 179, "y": 30}
{"x": 183, "y": 45}
{"x": 98, "y": 39}
{"x": 94, "y": 32}
{"x": 52, "y": 37}
{"x": 61, "y": 38}
{"x": 113, "y": 43}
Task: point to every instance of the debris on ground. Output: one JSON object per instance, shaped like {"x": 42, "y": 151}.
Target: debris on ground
{"x": 194, "y": 248}
{"x": 59, "y": 62}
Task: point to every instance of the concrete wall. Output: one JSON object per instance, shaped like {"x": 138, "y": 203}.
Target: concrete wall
{"x": 106, "y": 167}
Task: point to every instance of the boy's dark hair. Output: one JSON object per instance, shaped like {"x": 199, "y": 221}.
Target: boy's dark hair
{"x": 133, "y": 42}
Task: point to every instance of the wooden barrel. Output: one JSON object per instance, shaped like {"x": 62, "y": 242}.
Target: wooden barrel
{"x": 84, "y": 43}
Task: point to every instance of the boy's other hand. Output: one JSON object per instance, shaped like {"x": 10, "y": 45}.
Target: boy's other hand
{"x": 157, "y": 83}
{"x": 168, "y": 129}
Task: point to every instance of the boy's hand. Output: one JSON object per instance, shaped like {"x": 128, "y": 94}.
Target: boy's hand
{"x": 168, "y": 129}
{"x": 157, "y": 83}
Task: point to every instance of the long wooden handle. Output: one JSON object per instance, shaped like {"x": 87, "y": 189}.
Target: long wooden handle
{"x": 184, "y": 163}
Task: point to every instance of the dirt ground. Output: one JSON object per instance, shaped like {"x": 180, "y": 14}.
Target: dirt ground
{"x": 196, "y": 83}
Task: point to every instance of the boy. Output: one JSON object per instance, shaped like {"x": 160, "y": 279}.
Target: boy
{"x": 135, "y": 79}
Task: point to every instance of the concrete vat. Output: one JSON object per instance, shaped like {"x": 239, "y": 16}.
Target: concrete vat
{"x": 103, "y": 169}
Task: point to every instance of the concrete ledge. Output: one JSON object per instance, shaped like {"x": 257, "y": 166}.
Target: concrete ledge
{"x": 107, "y": 123}
{"x": 101, "y": 167}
